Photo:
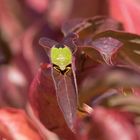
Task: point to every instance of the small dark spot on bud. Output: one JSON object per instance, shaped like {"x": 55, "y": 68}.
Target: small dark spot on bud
{"x": 59, "y": 46}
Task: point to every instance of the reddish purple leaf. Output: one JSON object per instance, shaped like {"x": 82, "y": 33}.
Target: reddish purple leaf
{"x": 86, "y": 58}
{"x": 107, "y": 48}
{"x": 107, "y": 124}
{"x": 88, "y": 27}
{"x": 65, "y": 82}
{"x": 44, "y": 103}
{"x": 66, "y": 90}
{"x": 128, "y": 53}
{"x": 104, "y": 78}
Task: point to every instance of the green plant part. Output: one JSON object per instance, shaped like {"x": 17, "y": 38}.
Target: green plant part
{"x": 61, "y": 56}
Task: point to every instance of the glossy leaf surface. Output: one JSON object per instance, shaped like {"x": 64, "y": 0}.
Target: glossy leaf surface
{"x": 102, "y": 49}
{"x": 129, "y": 52}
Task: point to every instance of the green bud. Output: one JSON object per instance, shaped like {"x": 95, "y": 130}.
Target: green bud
{"x": 61, "y": 56}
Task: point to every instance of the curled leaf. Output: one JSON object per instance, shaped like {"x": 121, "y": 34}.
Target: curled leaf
{"x": 128, "y": 53}
{"x": 103, "y": 80}
{"x": 107, "y": 47}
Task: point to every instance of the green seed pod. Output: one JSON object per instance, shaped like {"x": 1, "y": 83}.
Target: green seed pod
{"x": 61, "y": 56}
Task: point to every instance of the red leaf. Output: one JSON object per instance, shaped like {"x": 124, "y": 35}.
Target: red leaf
{"x": 101, "y": 79}
{"x": 44, "y": 103}
{"x": 88, "y": 27}
{"x": 15, "y": 125}
{"x": 126, "y": 11}
{"x": 66, "y": 96}
{"x": 128, "y": 52}
{"x": 107, "y": 124}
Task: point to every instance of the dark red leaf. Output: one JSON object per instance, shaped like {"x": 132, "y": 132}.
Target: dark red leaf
{"x": 106, "y": 46}
{"x": 85, "y": 60}
{"x": 102, "y": 79}
{"x": 86, "y": 28}
{"x": 44, "y": 103}
{"x": 66, "y": 90}
{"x": 128, "y": 53}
